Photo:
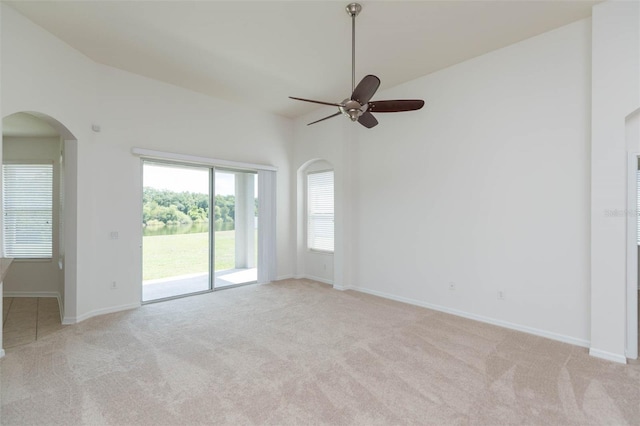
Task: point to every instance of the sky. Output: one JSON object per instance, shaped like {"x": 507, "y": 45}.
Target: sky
{"x": 184, "y": 178}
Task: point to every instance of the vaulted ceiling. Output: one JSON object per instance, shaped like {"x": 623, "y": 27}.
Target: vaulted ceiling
{"x": 261, "y": 52}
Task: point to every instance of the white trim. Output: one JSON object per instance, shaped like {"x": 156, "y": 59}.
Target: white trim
{"x": 609, "y": 356}
{"x": 60, "y": 306}
{"x": 322, "y": 280}
{"x": 313, "y": 278}
{"x": 97, "y": 312}
{"x": 341, "y": 288}
{"x": 161, "y": 155}
{"x": 631, "y": 341}
{"x": 284, "y": 277}
{"x": 1, "y": 353}
{"x": 530, "y": 330}
{"x": 322, "y": 252}
{"x": 32, "y": 294}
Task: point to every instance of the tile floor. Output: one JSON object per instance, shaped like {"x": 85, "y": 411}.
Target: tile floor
{"x": 27, "y": 319}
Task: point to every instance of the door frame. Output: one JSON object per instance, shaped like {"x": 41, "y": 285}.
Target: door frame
{"x": 631, "y": 346}
{"x": 213, "y": 169}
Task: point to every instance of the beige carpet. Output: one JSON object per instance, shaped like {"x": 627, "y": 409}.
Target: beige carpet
{"x": 298, "y": 352}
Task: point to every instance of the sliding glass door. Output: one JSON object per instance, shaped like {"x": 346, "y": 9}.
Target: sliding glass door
{"x": 236, "y": 227}
{"x": 176, "y": 242}
{"x": 187, "y": 249}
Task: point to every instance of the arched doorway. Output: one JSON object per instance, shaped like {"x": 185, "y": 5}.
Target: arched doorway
{"x": 36, "y": 141}
{"x": 632, "y": 135}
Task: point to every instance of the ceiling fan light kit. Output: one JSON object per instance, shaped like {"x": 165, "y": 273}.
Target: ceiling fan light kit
{"x": 359, "y": 106}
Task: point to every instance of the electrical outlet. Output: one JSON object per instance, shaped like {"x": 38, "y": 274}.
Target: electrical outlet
{"x": 114, "y": 235}
{"x": 114, "y": 285}
{"x": 452, "y": 286}
{"x": 500, "y": 295}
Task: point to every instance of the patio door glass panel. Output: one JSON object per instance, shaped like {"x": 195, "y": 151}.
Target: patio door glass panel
{"x": 176, "y": 237}
{"x": 236, "y": 227}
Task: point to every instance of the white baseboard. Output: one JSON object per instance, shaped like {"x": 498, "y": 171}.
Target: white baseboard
{"x": 609, "y": 356}
{"x": 322, "y": 280}
{"x": 342, "y": 287}
{"x": 312, "y": 278}
{"x": 31, "y": 294}
{"x": 530, "y": 330}
{"x": 284, "y": 277}
{"x": 97, "y": 312}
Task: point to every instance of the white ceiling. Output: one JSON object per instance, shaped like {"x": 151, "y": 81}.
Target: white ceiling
{"x": 261, "y": 52}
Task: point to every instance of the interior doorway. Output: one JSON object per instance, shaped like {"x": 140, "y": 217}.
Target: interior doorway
{"x": 632, "y": 135}
{"x": 34, "y": 214}
{"x": 633, "y": 258}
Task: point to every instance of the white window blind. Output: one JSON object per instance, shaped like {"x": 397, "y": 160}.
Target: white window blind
{"x": 27, "y": 196}
{"x": 320, "y": 211}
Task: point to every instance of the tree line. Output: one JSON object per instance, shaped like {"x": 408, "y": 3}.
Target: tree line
{"x": 162, "y": 207}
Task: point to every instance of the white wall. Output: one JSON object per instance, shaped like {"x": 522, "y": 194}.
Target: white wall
{"x": 36, "y": 278}
{"x": 486, "y": 187}
{"x": 41, "y": 73}
{"x": 615, "y": 95}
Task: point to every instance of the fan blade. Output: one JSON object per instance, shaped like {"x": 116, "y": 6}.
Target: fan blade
{"x": 326, "y": 118}
{"x": 365, "y": 89}
{"x": 396, "y": 106}
{"x": 368, "y": 120}
{"x": 315, "y": 102}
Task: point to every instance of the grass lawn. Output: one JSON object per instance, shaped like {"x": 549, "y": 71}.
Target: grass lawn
{"x": 173, "y": 255}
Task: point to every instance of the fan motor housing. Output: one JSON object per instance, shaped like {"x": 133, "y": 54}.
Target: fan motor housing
{"x": 353, "y": 109}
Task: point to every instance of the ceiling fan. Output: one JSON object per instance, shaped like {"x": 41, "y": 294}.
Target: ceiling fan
{"x": 360, "y": 106}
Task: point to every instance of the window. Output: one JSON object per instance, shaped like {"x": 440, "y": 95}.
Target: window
{"x": 27, "y": 196}
{"x": 320, "y": 211}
